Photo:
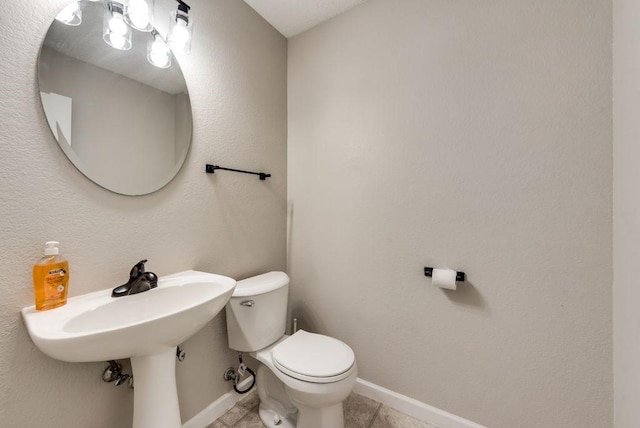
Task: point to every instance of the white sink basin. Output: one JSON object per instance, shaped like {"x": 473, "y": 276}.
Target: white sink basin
{"x": 98, "y": 327}
{"x": 145, "y": 327}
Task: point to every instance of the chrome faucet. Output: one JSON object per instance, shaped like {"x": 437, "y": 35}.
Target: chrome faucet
{"x": 139, "y": 281}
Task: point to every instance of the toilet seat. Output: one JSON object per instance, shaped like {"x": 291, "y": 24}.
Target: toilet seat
{"x": 313, "y": 357}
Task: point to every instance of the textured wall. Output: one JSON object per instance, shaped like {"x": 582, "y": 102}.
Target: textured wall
{"x": 229, "y": 223}
{"x": 473, "y": 135}
{"x": 626, "y": 208}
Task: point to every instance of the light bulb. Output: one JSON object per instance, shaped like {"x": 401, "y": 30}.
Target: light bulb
{"x": 117, "y": 25}
{"x": 118, "y": 41}
{"x": 70, "y": 15}
{"x": 160, "y": 48}
{"x": 66, "y": 14}
{"x": 180, "y": 31}
{"x": 116, "y": 33}
{"x": 159, "y": 53}
{"x": 159, "y": 60}
{"x": 138, "y": 6}
{"x": 139, "y": 20}
{"x": 139, "y": 14}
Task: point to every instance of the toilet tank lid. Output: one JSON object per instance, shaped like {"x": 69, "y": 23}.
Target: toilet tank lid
{"x": 260, "y": 284}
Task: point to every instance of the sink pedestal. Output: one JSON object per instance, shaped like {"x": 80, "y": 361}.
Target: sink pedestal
{"x": 155, "y": 395}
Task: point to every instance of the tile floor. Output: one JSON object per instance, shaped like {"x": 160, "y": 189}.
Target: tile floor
{"x": 359, "y": 412}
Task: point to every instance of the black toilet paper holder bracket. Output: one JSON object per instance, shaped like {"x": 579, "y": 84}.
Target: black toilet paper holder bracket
{"x": 460, "y": 276}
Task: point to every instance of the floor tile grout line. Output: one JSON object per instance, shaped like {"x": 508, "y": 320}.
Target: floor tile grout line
{"x": 238, "y": 407}
{"x": 247, "y": 415}
{"x": 219, "y": 421}
{"x": 375, "y": 415}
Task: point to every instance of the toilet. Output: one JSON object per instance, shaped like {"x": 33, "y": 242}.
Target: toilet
{"x": 302, "y": 379}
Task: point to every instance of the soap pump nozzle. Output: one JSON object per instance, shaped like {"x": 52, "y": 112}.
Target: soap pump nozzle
{"x": 51, "y": 248}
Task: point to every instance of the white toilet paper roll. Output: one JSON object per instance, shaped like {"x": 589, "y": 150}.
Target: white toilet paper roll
{"x": 444, "y": 278}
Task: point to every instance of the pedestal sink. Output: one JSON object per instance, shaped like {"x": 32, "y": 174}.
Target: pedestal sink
{"x": 146, "y": 327}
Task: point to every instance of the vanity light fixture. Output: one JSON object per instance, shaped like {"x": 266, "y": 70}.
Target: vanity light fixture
{"x": 158, "y": 51}
{"x": 71, "y": 15}
{"x": 180, "y": 29}
{"x": 139, "y": 14}
{"x": 116, "y": 32}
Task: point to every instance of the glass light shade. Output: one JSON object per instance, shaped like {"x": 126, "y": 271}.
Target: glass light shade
{"x": 70, "y": 15}
{"x": 158, "y": 53}
{"x": 139, "y": 14}
{"x": 180, "y": 31}
{"x": 116, "y": 33}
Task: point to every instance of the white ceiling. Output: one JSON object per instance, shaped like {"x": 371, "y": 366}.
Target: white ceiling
{"x": 292, "y": 17}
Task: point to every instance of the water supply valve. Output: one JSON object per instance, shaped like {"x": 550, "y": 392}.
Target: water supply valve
{"x": 113, "y": 373}
{"x": 234, "y": 376}
{"x": 231, "y": 376}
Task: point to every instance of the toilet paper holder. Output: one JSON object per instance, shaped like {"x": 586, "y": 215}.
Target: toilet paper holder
{"x": 428, "y": 271}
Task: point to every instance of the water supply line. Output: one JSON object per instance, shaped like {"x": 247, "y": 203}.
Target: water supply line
{"x": 234, "y": 376}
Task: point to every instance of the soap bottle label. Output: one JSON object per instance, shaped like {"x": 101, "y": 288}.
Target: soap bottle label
{"x": 56, "y": 280}
{"x": 51, "y": 282}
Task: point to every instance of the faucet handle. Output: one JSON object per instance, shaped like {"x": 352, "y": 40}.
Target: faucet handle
{"x": 137, "y": 269}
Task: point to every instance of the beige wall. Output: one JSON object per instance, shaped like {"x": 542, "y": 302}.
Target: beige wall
{"x": 229, "y": 223}
{"x": 626, "y": 209}
{"x": 473, "y": 135}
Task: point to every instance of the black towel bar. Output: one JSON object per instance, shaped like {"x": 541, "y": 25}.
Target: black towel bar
{"x": 212, "y": 168}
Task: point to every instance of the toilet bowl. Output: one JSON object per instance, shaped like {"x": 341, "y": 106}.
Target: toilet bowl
{"x": 302, "y": 379}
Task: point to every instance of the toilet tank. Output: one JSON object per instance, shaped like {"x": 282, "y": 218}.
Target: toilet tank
{"x": 257, "y": 311}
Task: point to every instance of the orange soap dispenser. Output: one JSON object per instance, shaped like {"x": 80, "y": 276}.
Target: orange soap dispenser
{"x": 50, "y": 278}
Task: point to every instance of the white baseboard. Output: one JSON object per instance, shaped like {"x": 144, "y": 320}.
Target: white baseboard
{"x": 402, "y": 403}
{"x": 216, "y": 409}
{"x": 411, "y": 407}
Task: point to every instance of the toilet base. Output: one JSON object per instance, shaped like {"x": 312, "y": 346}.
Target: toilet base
{"x": 282, "y": 406}
{"x": 313, "y": 417}
{"x": 271, "y": 419}
{"x": 276, "y": 411}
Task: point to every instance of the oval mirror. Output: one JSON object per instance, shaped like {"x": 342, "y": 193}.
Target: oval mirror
{"x": 124, "y": 123}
